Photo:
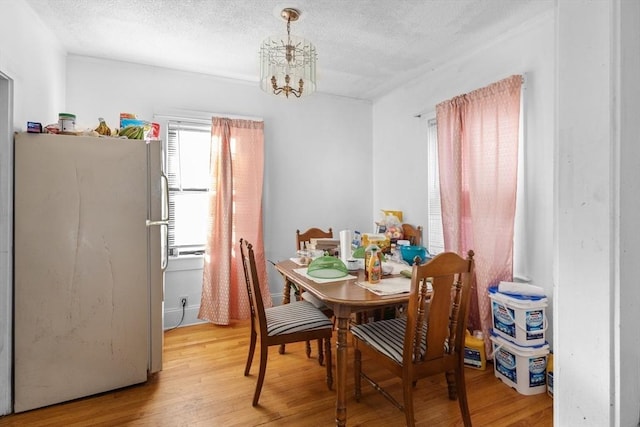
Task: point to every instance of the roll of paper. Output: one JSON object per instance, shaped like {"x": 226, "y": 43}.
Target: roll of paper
{"x": 520, "y": 289}
{"x": 345, "y": 245}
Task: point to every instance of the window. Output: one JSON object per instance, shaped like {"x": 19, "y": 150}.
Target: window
{"x": 435, "y": 235}
{"x": 187, "y": 154}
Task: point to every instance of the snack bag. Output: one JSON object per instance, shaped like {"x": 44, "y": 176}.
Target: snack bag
{"x": 392, "y": 227}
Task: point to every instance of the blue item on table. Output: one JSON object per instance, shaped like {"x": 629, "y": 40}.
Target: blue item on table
{"x": 410, "y": 252}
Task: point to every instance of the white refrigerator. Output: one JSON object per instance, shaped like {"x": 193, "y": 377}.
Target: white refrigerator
{"x": 90, "y": 227}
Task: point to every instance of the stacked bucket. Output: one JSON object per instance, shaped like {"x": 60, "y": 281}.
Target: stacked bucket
{"x": 520, "y": 349}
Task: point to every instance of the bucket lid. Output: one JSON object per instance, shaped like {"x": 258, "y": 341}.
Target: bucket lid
{"x": 494, "y": 290}
{"x": 525, "y": 350}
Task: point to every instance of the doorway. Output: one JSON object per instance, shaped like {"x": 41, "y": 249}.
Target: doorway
{"x": 6, "y": 240}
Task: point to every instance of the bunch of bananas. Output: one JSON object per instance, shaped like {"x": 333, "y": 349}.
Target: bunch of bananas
{"x": 132, "y": 132}
{"x": 102, "y": 128}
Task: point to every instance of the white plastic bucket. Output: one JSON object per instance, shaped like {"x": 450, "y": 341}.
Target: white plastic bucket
{"x": 522, "y": 368}
{"x": 518, "y": 318}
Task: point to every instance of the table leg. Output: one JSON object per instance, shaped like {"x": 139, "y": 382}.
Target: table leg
{"x": 286, "y": 298}
{"x": 341, "y": 358}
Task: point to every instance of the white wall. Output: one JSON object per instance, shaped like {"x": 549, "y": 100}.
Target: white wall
{"x": 317, "y": 149}
{"x": 627, "y": 91}
{"x": 183, "y": 278}
{"x": 35, "y": 60}
{"x": 584, "y": 251}
{"x": 598, "y": 171}
{"x": 32, "y": 89}
{"x": 399, "y": 135}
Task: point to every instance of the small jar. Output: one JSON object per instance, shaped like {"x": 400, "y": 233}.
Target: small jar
{"x": 67, "y": 122}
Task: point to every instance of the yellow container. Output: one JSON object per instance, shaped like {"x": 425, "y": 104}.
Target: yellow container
{"x": 379, "y": 240}
{"x": 397, "y": 214}
{"x": 550, "y": 374}
{"x": 474, "y": 352}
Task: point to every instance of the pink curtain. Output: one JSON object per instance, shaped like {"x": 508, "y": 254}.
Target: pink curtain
{"x": 478, "y": 160}
{"x": 235, "y": 211}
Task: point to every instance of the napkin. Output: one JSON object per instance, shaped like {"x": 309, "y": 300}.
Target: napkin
{"x": 390, "y": 286}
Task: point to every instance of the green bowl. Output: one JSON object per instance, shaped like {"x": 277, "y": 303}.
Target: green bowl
{"x": 327, "y": 267}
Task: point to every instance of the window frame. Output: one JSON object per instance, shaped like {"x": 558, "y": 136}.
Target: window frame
{"x": 174, "y": 124}
{"x": 434, "y": 237}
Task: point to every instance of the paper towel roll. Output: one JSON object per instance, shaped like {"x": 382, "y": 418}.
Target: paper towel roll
{"x": 345, "y": 245}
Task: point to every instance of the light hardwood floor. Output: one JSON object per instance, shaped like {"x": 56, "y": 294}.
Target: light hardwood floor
{"x": 202, "y": 385}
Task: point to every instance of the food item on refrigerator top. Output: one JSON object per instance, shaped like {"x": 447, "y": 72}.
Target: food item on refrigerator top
{"x": 132, "y": 132}
{"x": 102, "y": 128}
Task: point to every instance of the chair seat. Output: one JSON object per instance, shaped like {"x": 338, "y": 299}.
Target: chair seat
{"x": 387, "y": 336}
{"x": 295, "y": 317}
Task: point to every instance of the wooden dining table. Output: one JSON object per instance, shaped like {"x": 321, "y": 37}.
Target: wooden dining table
{"x": 344, "y": 297}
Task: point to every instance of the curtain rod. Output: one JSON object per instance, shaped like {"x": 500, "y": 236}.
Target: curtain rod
{"x": 201, "y": 116}
{"x": 421, "y": 113}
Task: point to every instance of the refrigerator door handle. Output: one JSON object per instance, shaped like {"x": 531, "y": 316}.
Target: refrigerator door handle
{"x": 165, "y": 217}
{"x": 165, "y": 211}
{"x": 152, "y": 223}
{"x": 164, "y": 221}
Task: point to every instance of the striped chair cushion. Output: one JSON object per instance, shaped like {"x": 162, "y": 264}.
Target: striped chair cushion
{"x": 386, "y": 336}
{"x": 295, "y": 317}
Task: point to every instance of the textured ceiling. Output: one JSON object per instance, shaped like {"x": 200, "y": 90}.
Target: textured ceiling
{"x": 365, "y": 47}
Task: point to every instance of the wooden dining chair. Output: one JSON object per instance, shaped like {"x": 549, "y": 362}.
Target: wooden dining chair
{"x": 412, "y": 234}
{"x": 312, "y": 233}
{"x": 302, "y": 239}
{"x": 294, "y": 322}
{"x": 429, "y": 340}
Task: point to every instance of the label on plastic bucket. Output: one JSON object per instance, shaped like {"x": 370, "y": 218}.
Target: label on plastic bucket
{"x": 504, "y": 319}
{"x": 506, "y": 363}
{"x": 537, "y": 371}
{"x": 473, "y": 358}
{"x": 534, "y": 320}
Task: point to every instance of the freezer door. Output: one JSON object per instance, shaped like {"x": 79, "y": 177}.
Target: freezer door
{"x": 81, "y": 321}
{"x": 157, "y": 226}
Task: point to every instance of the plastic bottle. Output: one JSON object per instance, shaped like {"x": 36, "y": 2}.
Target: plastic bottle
{"x": 474, "y": 355}
{"x": 394, "y": 253}
{"x": 374, "y": 268}
{"x": 357, "y": 240}
{"x": 550, "y": 374}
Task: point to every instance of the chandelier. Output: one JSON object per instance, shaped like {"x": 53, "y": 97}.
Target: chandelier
{"x": 288, "y": 66}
